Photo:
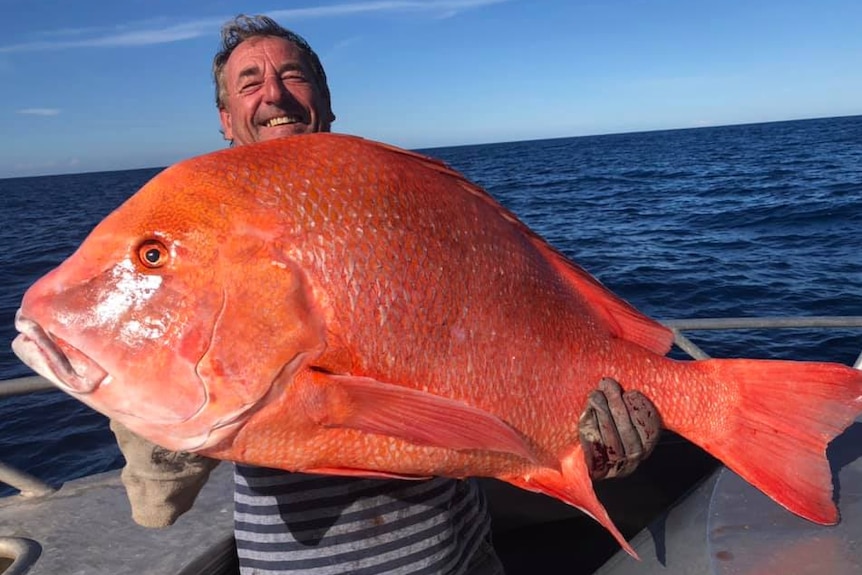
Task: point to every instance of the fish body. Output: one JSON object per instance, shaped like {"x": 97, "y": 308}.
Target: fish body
{"x": 324, "y": 303}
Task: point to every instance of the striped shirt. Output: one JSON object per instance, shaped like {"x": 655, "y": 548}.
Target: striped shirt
{"x": 327, "y": 525}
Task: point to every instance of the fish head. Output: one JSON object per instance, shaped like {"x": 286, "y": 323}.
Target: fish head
{"x": 177, "y": 316}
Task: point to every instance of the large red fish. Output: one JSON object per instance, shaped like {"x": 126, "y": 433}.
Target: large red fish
{"x": 328, "y": 304}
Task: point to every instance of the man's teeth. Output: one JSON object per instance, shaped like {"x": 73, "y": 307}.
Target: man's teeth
{"x": 281, "y": 121}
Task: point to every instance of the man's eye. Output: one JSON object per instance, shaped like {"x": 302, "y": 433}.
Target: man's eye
{"x": 293, "y": 77}
{"x": 248, "y": 87}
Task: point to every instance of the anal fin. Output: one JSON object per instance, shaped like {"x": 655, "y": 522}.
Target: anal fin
{"x": 572, "y": 485}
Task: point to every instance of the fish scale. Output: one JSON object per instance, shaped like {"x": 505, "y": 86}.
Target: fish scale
{"x": 336, "y": 305}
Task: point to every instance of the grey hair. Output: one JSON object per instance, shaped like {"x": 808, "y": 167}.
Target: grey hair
{"x": 243, "y": 27}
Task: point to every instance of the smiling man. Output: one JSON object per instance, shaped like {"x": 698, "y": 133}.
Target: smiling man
{"x": 270, "y": 87}
{"x": 271, "y": 84}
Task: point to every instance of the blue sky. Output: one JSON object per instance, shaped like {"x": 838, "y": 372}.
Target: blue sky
{"x": 89, "y": 85}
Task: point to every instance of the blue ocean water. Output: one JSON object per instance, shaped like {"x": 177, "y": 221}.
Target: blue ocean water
{"x": 752, "y": 220}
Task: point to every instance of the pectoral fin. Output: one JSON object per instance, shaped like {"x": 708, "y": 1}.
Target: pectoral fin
{"x": 422, "y": 418}
{"x": 363, "y": 473}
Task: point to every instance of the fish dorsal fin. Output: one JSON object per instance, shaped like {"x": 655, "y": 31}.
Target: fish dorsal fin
{"x": 371, "y": 406}
{"x": 623, "y": 320}
{"x": 618, "y": 316}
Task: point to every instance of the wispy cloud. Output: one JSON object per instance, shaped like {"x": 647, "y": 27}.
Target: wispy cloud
{"x": 133, "y": 35}
{"x": 161, "y": 32}
{"x": 39, "y": 111}
{"x": 24, "y": 168}
{"x": 432, "y": 7}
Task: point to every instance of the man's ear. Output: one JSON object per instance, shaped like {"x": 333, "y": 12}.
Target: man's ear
{"x": 226, "y": 124}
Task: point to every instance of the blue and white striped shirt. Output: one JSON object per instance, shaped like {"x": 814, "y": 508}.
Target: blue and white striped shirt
{"x": 327, "y": 525}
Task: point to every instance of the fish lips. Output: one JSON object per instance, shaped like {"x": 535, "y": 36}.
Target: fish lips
{"x": 55, "y": 359}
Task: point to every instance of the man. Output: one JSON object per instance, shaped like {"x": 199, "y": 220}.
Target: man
{"x": 271, "y": 84}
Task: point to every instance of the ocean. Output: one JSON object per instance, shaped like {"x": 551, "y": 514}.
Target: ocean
{"x": 750, "y": 220}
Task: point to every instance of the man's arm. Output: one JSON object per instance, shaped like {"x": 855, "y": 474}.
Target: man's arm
{"x": 618, "y": 430}
{"x": 161, "y": 484}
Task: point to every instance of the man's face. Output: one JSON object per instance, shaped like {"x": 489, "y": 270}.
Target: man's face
{"x": 271, "y": 92}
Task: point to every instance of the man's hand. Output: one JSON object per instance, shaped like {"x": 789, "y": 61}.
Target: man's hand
{"x": 618, "y": 430}
{"x": 161, "y": 484}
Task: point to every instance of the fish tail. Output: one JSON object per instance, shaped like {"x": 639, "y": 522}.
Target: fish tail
{"x": 778, "y": 418}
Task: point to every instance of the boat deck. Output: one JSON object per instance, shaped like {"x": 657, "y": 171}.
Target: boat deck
{"x": 723, "y": 526}
{"x": 86, "y": 528}
{"x": 727, "y": 527}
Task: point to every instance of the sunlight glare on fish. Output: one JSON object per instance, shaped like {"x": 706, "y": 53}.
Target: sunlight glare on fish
{"x": 131, "y": 290}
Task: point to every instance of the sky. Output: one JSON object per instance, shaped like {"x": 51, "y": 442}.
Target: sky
{"x": 89, "y": 85}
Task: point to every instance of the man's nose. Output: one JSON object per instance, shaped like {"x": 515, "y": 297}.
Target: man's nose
{"x": 274, "y": 89}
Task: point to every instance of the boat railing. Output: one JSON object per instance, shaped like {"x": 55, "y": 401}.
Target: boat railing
{"x": 27, "y": 485}
{"x": 33, "y": 487}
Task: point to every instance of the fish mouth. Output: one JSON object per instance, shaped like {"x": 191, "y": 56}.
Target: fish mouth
{"x": 55, "y": 359}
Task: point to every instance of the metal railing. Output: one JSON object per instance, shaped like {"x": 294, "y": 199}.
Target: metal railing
{"x": 741, "y": 323}
{"x": 30, "y": 486}
{"x": 25, "y": 385}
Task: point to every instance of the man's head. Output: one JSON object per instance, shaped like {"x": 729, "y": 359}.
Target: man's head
{"x": 269, "y": 83}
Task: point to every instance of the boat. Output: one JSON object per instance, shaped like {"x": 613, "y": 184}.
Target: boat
{"x": 682, "y": 511}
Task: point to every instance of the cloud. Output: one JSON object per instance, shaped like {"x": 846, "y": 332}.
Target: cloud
{"x": 39, "y": 111}
{"x": 119, "y": 37}
{"x": 161, "y": 32}
{"x": 52, "y": 166}
{"x": 444, "y": 8}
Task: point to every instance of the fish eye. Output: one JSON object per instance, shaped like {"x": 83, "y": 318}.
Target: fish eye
{"x": 153, "y": 254}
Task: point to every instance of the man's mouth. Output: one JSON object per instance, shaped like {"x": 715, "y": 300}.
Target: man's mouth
{"x": 282, "y": 121}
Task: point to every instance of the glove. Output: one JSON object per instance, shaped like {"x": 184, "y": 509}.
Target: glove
{"x": 161, "y": 484}
{"x": 617, "y": 430}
